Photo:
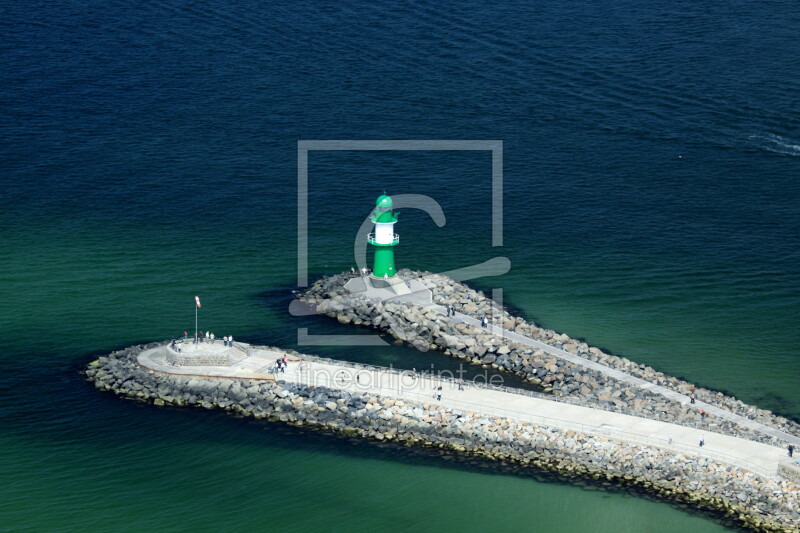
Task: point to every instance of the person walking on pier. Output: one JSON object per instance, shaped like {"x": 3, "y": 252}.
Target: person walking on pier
{"x": 691, "y": 398}
{"x": 670, "y": 439}
{"x": 702, "y": 440}
{"x": 285, "y": 362}
{"x": 791, "y": 450}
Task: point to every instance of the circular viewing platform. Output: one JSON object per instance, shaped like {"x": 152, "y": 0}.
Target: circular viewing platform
{"x": 209, "y": 353}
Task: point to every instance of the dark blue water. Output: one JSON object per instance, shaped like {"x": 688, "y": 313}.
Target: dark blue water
{"x": 149, "y": 153}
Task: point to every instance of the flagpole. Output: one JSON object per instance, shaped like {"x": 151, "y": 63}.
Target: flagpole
{"x": 196, "y": 307}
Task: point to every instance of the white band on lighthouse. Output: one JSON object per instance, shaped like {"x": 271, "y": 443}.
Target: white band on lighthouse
{"x": 384, "y": 233}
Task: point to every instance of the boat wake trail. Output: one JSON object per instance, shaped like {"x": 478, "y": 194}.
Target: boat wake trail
{"x": 777, "y": 144}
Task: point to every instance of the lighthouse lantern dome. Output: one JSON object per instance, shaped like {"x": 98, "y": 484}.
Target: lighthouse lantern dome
{"x": 383, "y": 211}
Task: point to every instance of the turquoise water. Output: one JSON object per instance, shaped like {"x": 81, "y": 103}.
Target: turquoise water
{"x": 149, "y": 155}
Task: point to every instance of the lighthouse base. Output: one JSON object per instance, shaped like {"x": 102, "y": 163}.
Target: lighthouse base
{"x": 394, "y": 289}
{"x": 395, "y": 282}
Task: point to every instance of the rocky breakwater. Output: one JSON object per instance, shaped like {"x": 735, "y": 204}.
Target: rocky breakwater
{"x": 751, "y": 501}
{"x": 426, "y": 329}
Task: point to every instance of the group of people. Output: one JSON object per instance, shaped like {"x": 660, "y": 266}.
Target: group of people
{"x": 227, "y": 340}
{"x": 702, "y": 443}
{"x": 200, "y": 337}
{"x": 281, "y": 363}
{"x": 692, "y": 401}
{"x": 451, "y": 311}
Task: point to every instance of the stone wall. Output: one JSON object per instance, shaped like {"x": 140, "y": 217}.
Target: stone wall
{"x": 426, "y": 330}
{"x": 790, "y": 472}
{"x": 181, "y": 359}
{"x": 760, "y": 504}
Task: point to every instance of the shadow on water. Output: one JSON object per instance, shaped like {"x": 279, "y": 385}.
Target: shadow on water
{"x": 779, "y": 405}
{"x": 394, "y": 354}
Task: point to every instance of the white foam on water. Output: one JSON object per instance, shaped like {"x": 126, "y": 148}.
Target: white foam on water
{"x": 776, "y": 143}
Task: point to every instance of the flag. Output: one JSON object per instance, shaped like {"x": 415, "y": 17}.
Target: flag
{"x": 197, "y": 299}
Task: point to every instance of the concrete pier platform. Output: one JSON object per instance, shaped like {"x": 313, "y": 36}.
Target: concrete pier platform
{"x": 758, "y": 458}
{"x": 253, "y": 364}
{"x": 394, "y": 289}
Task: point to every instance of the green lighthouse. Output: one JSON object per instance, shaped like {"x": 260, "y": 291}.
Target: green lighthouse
{"x": 385, "y": 284}
{"x": 384, "y": 239}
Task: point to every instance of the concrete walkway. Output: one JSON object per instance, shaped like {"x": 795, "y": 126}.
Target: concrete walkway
{"x": 627, "y": 378}
{"x": 758, "y": 458}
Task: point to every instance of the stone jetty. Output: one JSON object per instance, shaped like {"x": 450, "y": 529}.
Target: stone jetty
{"x": 595, "y": 415}
{"x": 590, "y": 377}
{"x": 250, "y": 387}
